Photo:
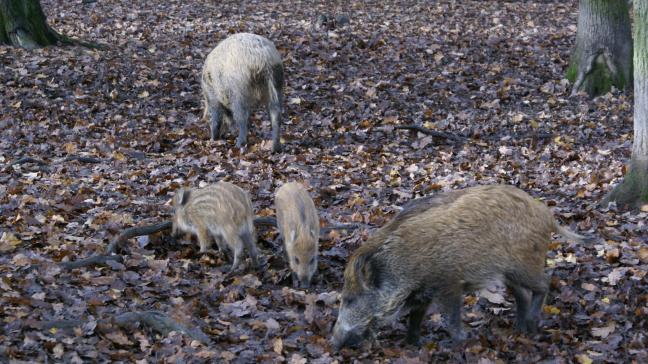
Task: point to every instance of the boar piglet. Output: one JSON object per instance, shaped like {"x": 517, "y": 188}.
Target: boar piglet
{"x": 438, "y": 247}
{"x": 299, "y": 226}
{"x": 241, "y": 73}
{"x": 222, "y": 212}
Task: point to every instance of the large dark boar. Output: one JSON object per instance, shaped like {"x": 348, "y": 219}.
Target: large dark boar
{"x": 222, "y": 212}
{"x": 241, "y": 73}
{"x": 299, "y": 226}
{"x": 442, "y": 246}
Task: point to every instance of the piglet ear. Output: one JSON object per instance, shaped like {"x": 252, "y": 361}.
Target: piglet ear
{"x": 182, "y": 196}
{"x": 314, "y": 235}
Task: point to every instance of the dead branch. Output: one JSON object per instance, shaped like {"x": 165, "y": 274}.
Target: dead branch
{"x": 155, "y": 320}
{"x": 134, "y": 232}
{"x": 93, "y": 260}
{"x": 434, "y": 133}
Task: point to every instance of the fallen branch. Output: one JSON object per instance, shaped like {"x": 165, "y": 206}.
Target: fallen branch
{"x": 134, "y": 232}
{"x": 434, "y": 133}
{"x": 155, "y": 320}
{"x": 93, "y": 260}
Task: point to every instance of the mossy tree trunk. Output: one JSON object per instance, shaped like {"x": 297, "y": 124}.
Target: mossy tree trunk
{"x": 633, "y": 191}
{"x": 602, "y": 56}
{"x": 23, "y": 24}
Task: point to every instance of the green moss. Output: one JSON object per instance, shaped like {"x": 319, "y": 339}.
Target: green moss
{"x": 572, "y": 71}
{"x": 633, "y": 191}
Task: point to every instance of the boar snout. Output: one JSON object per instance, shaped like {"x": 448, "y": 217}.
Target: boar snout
{"x": 304, "y": 282}
{"x": 345, "y": 337}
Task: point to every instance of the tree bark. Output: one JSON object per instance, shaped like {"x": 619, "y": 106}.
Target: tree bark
{"x": 602, "y": 56}
{"x": 23, "y": 24}
{"x": 633, "y": 191}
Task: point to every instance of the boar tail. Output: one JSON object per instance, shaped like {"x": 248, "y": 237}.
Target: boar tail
{"x": 568, "y": 233}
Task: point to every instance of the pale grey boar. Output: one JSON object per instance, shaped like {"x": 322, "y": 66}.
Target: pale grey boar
{"x": 222, "y": 212}
{"x": 243, "y": 72}
{"x": 440, "y": 246}
{"x": 299, "y": 226}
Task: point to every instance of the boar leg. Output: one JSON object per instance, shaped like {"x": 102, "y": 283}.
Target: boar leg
{"x": 537, "y": 299}
{"x": 522, "y": 304}
{"x": 275, "y": 119}
{"x": 216, "y": 120}
{"x": 203, "y": 240}
{"x": 539, "y": 287}
{"x": 417, "y": 313}
{"x": 452, "y": 301}
{"x": 241, "y": 115}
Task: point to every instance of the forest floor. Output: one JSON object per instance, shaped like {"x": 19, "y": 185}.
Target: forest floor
{"x": 488, "y": 71}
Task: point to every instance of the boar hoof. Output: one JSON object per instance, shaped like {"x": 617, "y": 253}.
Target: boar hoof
{"x": 458, "y": 337}
{"x": 276, "y": 148}
{"x": 414, "y": 340}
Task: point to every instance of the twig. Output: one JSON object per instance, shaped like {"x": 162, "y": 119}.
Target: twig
{"x": 136, "y": 231}
{"x": 434, "y": 133}
{"x": 156, "y": 320}
{"x": 93, "y": 260}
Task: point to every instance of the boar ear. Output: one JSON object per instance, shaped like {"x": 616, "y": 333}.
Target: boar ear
{"x": 183, "y": 196}
{"x": 368, "y": 271}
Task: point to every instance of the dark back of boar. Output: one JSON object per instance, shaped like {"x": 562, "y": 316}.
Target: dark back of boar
{"x": 298, "y": 223}
{"x": 222, "y": 212}
{"x": 241, "y": 73}
{"x": 445, "y": 245}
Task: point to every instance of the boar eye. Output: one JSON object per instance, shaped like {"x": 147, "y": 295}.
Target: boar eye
{"x": 312, "y": 261}
{"x": 296, "y": 260}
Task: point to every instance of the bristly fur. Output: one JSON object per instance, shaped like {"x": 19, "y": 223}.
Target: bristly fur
{"x": 221, "y": 212}
{"x": 449, "y": 243}
{"x": 243, "y": 72}
{"x": 298, "y": 224}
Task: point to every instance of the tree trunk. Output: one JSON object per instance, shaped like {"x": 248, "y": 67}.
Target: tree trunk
{"x": 23, "y": 24}
{"x": 602, "y": 56}
{"x": 633, "y": 191}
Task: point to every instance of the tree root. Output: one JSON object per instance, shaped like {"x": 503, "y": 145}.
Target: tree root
{"x": 327, "y": 229}
{"x": 78, "y": 158}
{"x": 265, "y": 221}
{"x": 434, "y": 133}
{"x": 93, "y": 260}
{"x": 82, "y": 159}
{"x": 155, "y": 320}
{"x": 134, "y": 232}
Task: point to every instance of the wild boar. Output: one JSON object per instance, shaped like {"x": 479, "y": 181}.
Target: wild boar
{"x": 440, "y": 246}
{"x": 243, "y": 71}
{"x": 222, "y": 212}
{"x": 299, "y": 226}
